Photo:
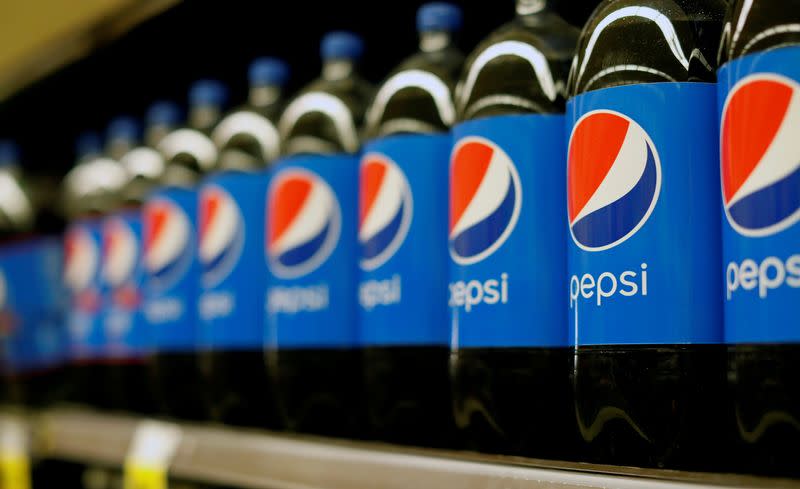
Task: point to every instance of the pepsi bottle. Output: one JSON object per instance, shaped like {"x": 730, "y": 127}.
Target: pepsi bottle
{"x": 509, "y": 356}
{"x": 171, "y": 266}
{"x": 31, "y": 305}
{"x": 120, "y": 283}
{"x": 128, "y": 337}
{"x": 16, "y": 219}
{"x": 643, "y": 245}
{"x": 89, "y": 191}
{"x": 231, "y": 217}
{"x": 403, "y": 253}
{"x": 312, "y": 345}
{"x": 759, "y": 82}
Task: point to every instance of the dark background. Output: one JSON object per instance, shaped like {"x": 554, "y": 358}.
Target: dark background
{"x": 201, "y": 38}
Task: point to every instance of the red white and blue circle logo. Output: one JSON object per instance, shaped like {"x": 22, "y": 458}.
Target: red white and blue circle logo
{"x": 167, "y": 241}
{"x": 485, "y": 199}
{"x": 385, "y": 209}
{"x": 303, "y": 222}
{"x": 120, "y": 254}
{"x": 120, "y": 250}
{"x": 221, "y": 234}
{"x": 613, "y": 179}
{"x": 760, "y": 154}
{"x": 81, "y": 259}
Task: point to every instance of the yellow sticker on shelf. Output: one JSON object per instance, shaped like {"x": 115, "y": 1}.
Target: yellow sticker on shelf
{"x": 152, "y": 447}
{"x": 15, "y": 471}
{"x": 138, "y": 476}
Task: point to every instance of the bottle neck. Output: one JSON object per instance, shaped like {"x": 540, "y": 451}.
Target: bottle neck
{"x": 118, "y": 147}
{"x": 155, "y": 133}
{"x": 433, "y": 41}
{"x": 11, "y": 168}
{"x": 204, "y": 117}
{"x": 526, "y": 8}
{"x": 337, "y": 69}
{"x": 262, "y": 96}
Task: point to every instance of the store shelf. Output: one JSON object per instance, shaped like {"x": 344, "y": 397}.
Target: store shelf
{"x": 257, "y": 459}
{"x": 45, "y": 35}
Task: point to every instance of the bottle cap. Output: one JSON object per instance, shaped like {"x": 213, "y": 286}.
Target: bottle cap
{"x": 439, "y": 16}
{"x": 268, "y": 71}
{"x": 341, "y": 45}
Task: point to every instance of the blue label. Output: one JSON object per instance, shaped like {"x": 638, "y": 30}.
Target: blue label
{"x": 311, "y": 252}
{"x": 643, "y": 215}
{"x": 506, "y": 234}
{"x": 31, "y": 304}
{"x": 231, "y": 217}
{"x": 171, "y": 268}
{"x": 403, "y": 248}
{"x": 759, "y": 108}
{"x": 122, "y": 274}
{"x": 82, "y": 264}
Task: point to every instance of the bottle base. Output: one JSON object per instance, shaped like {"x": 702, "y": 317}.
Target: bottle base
{"x": 318, "y": 391}
{"x": 129, "y": 386}
{"x": 408, "y": 395}
{"x": 86, "y": 384}
{"x": 178, "y": 389}
{"x": 239, "y": 389}
{"x": 514, "y": 401}
{"x": 765, "y": 386}
{"x": 44, "y": 387}
{"x": 660, "y": 406}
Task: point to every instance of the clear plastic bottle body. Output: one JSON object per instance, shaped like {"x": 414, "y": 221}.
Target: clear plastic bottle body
{"x": 651, "y": 405}
{"x": 760, "y": 43}
{"x": 318, "y": 389}
{"x": 515, "y": 399}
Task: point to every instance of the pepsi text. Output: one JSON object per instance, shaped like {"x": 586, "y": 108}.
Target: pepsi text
{"x": 474, "y": 292}
{"x": 373, "y": 293}
{"x": 770, "y": 274}
{"x": 295, "y": 299}
{"x": 607, "y": 285}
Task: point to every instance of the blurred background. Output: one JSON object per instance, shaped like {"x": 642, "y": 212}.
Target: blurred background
{"x": 71, "y": 65}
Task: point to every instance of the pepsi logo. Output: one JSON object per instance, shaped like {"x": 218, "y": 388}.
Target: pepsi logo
{"x": 384, "y": 209}
{"x": 485, "y": 199}
{"x": 613, "y": 179}
{"x": 120, "y": 251}
{"x": 167, "y": 241}
{"x": 303, "y": 222}
{"x": 221, "y": 234}
{"x": 80, "y": 259}
{"x": 760, "y": 154}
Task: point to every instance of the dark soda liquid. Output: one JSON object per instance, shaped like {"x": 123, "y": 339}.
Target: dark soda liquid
{"x": 44, "y": 387}
{"x": 408, "y": 395}
{"x": 765, "y": 386}
{"x": 179, "y": 390}
{"x": 13, "y": 389}
{"x": 318, "y": 391}
{"x": 86, "y": 384}
{"x": 652, "y": 406}
{"x": 514, "y": 401}
{"x": 239, "y": 390}
{"x": 129, "y": 386}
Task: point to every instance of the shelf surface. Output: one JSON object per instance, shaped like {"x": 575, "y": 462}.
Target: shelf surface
{"x": 258, "y": 459}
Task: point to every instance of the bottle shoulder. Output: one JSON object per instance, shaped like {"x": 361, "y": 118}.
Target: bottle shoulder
{"x": 417, "y": 96}
{"x": 752, "y": 27}
{"x": 521, "y": 67}
{"x": 325, "y": 116}
{"x": 647, "y": 41}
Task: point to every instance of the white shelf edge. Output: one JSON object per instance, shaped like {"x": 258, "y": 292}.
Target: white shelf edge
{"x": 256, "y": 459}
